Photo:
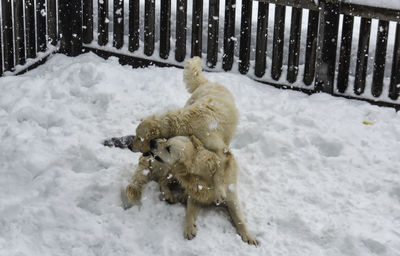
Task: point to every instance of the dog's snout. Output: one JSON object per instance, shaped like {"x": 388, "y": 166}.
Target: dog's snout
{"x": 153, "y": 144}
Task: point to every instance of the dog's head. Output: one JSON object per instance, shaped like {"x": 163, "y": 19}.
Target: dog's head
{"x": 147, "y": 130}
{"x": 177, "y": 153}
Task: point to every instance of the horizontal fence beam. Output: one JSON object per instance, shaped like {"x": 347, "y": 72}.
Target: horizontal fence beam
{"x": 307, "y": 4}
{"x": 370, "y": 12}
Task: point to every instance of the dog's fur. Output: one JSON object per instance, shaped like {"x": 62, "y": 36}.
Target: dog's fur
{"x": 210, "y": 114}
{"x": 150, "y": 170}
{"x": 194, "y": 167}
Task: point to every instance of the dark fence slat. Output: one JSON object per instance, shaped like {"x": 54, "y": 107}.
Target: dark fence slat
{"x": 229, "y": 34}
{"x": 278, "y": 41}
{"x": 71, "y": 27}
{"x": 261, "y": 41}
{"x": 380, "y": 58}
{"x": 345, "y": 53}
{"x": 197, "y": 28}
{"x": 245, "y": 36}
{"x": 41, "y": 25}
{"x": 102, "y": 31}
{"x": 8, "y": 46}
{"x": 1, "y": 57}
{"x": 362, "y": 56}
{"x": 394, "y": 90}
{"x": 118, "y": 23}
{"x": 30, "y": 29}
{"x": 165, "y": 28}
{"x": 327, "y": 46}
{"x": 134, "y": 7}
{"x": 149, "y": 27}
{"x": 87, "y": 21}
{"x": 294, "y": 45}
{"x": 19, "y": 37}
{"x": 311, "y": 47}
{"x": 52, "y": 20}
{"x": 213, "y": 29}
{"x": 180, "y": 44}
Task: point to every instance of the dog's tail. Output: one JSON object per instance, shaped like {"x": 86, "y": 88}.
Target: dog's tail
{"x": 192, "y": 75}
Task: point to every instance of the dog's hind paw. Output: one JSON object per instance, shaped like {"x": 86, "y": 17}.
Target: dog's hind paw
{"x": 190, "y": 231}
{"x": 247, "y": 238}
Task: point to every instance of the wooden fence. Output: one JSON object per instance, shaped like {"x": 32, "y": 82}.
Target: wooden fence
{"x": 328, "y": 46}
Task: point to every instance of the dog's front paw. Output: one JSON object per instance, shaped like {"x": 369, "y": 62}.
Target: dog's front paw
{"x": 190, "y": 231}
{"x": 220, "y": 195}
{"x": 247, "y": 238}
{"x": 133, "y": 193}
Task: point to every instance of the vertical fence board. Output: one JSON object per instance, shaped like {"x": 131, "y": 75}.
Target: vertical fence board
{"x": 327, "y": 45}
{"x": 380, "y": 58}
{"x": 245, "y": 36}
{"x": 394, "y": 89}
{"x": 229, "y": 34}
{"x": 362, "y": 56}
{"x": 41, "y": 25}
{"x": 1, "y": 57}
{"x": 71, "y": 27}
{"x": 118, "y": 23}
{"x": 294, "y": 45}
{"x": 279, "y": 33}
{"x": 149, "y": 27}
{"x": 134, "y": 7}
{"x": 19, "y": 37}
{"x": 345, "y": 53}
{"x": 52, "y": 20}
{"x": 180, "y": 44}
{"x": 8, "y": 46}
{"x": 102, "y": 31}
{"x": 213, "y": 28}
{"x": 87, "y": 21}
{"x": 165, "y": 28}
{"x": 30, "y": 29}
{"x": 311, "y": 47}
{"x": 261, "y": 41}
{"x": 197, "y": 28}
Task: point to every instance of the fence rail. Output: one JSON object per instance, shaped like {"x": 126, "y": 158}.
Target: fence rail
{"x": 283, "y": 52}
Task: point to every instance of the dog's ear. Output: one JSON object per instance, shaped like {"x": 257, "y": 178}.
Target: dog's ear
{"x": 196, "y": 142}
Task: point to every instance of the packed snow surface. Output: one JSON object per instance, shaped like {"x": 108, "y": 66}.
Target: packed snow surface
{"x": 318, "y": 175}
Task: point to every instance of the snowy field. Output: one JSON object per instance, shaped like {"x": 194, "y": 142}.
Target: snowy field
{"x": 314, "y": 179}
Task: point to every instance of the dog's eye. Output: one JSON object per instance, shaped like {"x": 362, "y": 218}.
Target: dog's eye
{"x": 168, "y": 148}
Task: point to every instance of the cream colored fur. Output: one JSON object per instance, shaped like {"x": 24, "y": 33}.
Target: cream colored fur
{"x": 195, "y": 167}
{"x": 148, "y": 169}
{"x": 210, "y": 114}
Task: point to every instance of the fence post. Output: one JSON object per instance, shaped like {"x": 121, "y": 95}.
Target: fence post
{"x": 70, "y": 16}
{"x": 7, "y": 29}
{"x": 327, "y": 45}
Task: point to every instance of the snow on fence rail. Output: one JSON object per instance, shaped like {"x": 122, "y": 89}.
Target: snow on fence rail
{"x": 290, "y": 44}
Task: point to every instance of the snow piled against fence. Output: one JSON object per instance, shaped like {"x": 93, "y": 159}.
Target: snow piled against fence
{"x": 390, "y": 4}
{"x": 313, "y": 179}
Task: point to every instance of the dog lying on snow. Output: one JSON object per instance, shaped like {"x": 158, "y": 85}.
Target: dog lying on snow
{"x": 194, "y": 167}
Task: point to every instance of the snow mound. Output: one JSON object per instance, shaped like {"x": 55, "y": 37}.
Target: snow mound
{"x": 313, "y": 178}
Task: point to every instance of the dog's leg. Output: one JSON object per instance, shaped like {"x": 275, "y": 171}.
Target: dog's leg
{"x": 238, "y": 220}
{"x": 166, "y": 193}
{"x": 192, "y": 210}
{"x": 139, "y": 179}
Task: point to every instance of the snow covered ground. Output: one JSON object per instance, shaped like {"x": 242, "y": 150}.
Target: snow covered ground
{"x": 313, "y": 179}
